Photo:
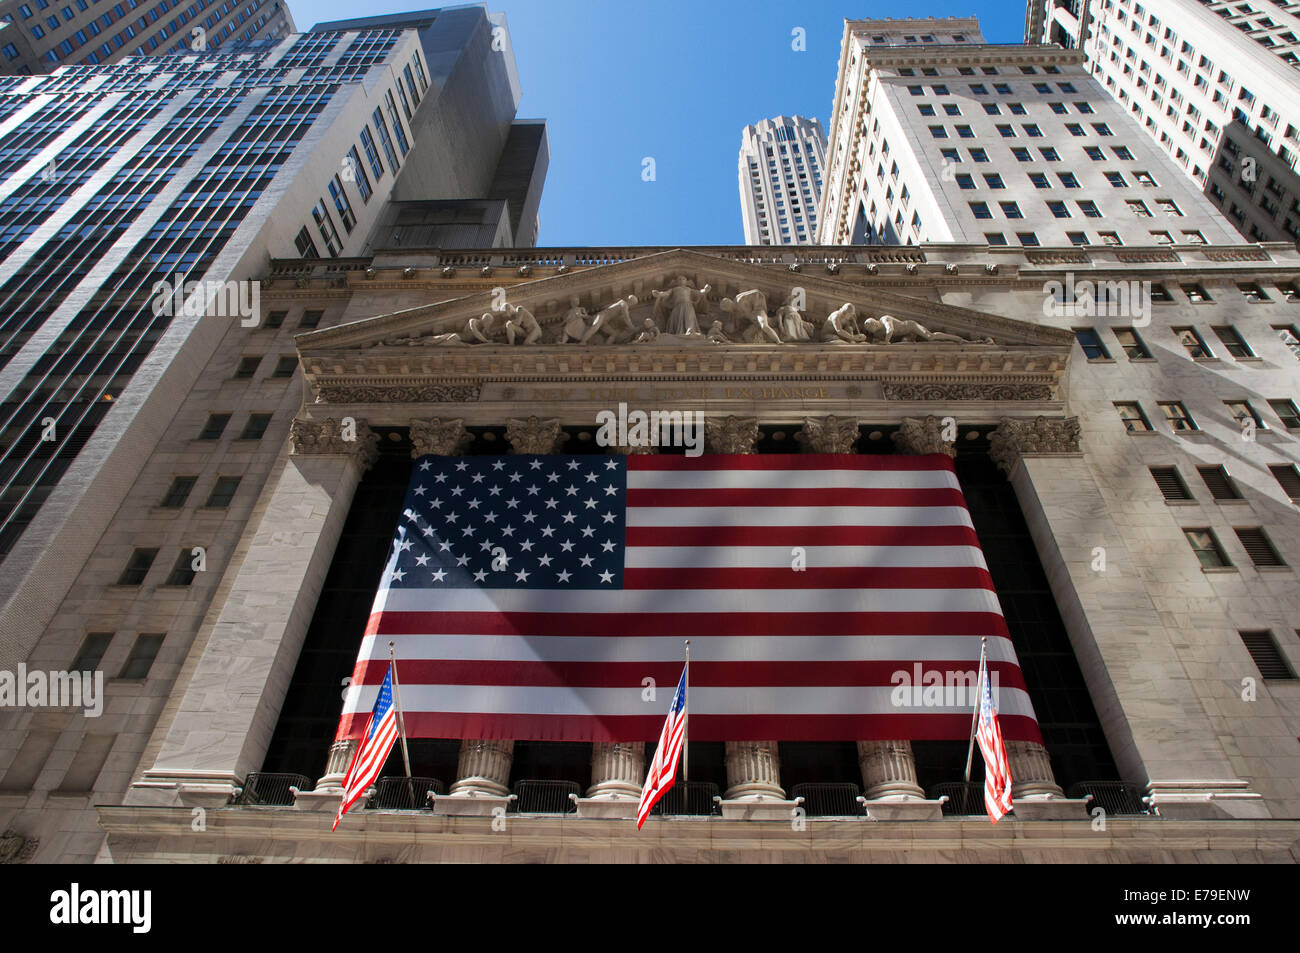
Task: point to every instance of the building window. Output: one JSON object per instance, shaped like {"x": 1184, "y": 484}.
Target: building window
{"x": 1135, "y": 421}
{"x": 182, "y": 573}
{"x": 993, "y": 180}
{"x": 276, "y": 318}
{"x": 1252, "y": 292}
{"x": 137, "y": 567}
{"x": 310, "y": 319}
{"x": 1242, "y": 411}
{"x": 1288, "y": 477}
{"x": 223, "y": 491}
{"x": 995, "y": 238}
{"x": 1078, "y": 239}
{"x": 938, "y": 132}
{"x": 285, "y": 367}
{"x": 1220, "y": 485}
{"x": 1027, "y": 239}
{"x": 1040, "y": 180}
{"x": 1089, "y": 209}
{"x": 1206, "y": 546}
{"x": 91, "y": 653}
{"x": 1176, "y": 414}
{"x": 1132, "y": 344}
{"x": 980, "y": 210}
{"x": 213, "y": 429}
{"x": 1109, "y": 238}
{"x": 1286, "y": 412}
{"x": 246, "y": 368}
{"x": 1266, "y": 655}
{"x": 306, "y": 247}
{"x": 178, "y": 492}
{"x": 1196, "y": 294}
{"x": 979, "y": 155}
{"x": 965, "y": 181}
{"x": 1010, "y": 210}
{"x": 142, "y": 656}
{"x": 1170, "y": 483}
{"x": 1191, "y": 339}
{"x": 1232, "y": 341}
{"x": 1091, "y": 344}
{"x": 1058, "y": 209}
{"x": 256, "y": 426}
{"x": 1290, "y": 337}
{"x": 341, "y": 204}
{"x": 359, "y": 174}
{"x": 1116, "y": 180}
{"x": 1258, "y": 546}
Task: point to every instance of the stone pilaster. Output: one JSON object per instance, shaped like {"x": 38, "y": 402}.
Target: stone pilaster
{"x": 1014, "y": 438}
{"x": 244, "y": 667}
{"x": 888, "y": 770}
{"x": 484, "y": 768}
{"x": 444, "y": 438}
{"x": 535, "y": 435}
{"x": 730, "y": 434}
{"x": 828, "y": 434}
{"x": 617, "y": 770}
{"x": 923, "y": 435}
{"x": 1031, "y": 771}
{"x": 753, "y": 771}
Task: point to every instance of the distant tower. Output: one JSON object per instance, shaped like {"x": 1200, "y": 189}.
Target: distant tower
{"x": 781, "y": 163}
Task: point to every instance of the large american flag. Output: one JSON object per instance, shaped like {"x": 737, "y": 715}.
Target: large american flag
{"x": 663, "y": 767}
{"x": 997, "y": 768}
{"x": 535, "y": 598}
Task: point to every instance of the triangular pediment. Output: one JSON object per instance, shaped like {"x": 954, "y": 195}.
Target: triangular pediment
{"x": 551, "y": 299}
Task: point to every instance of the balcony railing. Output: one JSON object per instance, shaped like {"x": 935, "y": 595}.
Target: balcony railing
{"x": 404, "y": 794}
{"x": 964, "y": 798}
{"x": 546, "y": 797}
{"x": 698, "y": 798}
{"x": 1115, "y": 797}
{"x": 829, "y": 799}
{"x": 272, "y": 789}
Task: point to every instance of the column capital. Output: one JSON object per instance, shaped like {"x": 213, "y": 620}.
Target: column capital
{"x": 828, "y": 434}
{"x": 923, "y": 435}
{"x": 1015, "y": 437}
{"x": 331, "y": 435}
{"x": 731, "y": 434}
{"x": 535, "y": 435}
{"x": 436, "y": 435}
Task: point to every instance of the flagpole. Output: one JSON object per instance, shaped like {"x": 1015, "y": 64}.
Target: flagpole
{"x": 979, "y": 693}
{"x": 401, "y": 724}
{"x": 686, "y": 721}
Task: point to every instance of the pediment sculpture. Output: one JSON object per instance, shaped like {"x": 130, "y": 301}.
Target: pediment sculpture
{"x": 672, "y": 316}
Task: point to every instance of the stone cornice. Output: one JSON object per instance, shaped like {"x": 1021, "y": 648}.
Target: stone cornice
{"x": 972, "y": 54}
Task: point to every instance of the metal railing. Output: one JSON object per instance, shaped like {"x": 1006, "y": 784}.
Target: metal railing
{"x": 698, "y": 798}
{"x": 546, "y": 797}
{"x": 270, "y": 789}
{"x": 964, "y": 798}
{"x": 401, "y": 793}
{"x": 1114, "y": 797}
{"x": 829, "y": 799}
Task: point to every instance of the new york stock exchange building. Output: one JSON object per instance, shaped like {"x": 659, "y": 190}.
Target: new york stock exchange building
{"x": 1086, "y": 499}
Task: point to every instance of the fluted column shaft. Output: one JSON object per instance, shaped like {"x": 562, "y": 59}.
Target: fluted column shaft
{"x": 888, "y": 770}
{"x": 336, "y": 767}
{"x": 617, "y": 769}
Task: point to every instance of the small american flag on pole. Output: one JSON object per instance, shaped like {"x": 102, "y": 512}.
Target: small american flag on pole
{"x": 663, "y": 769}
{"x": 997, "y": 769}
{"x": 376, "y": 743}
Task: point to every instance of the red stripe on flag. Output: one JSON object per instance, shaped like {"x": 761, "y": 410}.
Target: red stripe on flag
{"x": 846, "y": 496}
{"x": 791, "y": 461}
{"x": 826, "y": 577}
{"x": 801, "y": 536}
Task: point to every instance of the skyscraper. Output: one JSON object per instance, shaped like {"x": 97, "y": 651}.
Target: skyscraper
{"x": 939, "y": 136}
{"x": 781, "y": 163}
{"x": 36, "y": 35}
{"x": 129, "y": 182}
{"x": 1216, "y": 84}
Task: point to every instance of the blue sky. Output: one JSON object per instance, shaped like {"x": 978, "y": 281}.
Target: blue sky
{"x": 674, "y": 80}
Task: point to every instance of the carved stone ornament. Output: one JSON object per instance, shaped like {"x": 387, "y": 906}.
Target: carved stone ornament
{"x": 922, "y": 390}
{"x": 535, "y": 435}
{"x": 828, "y": 434}
{"x": 923, "y": 435}
{"x": 425, "y": 394}
{"x": 332, "y": 436}
{"x": 731, "y": 434}
{"x": 446, "y": 438}
{"x": 17, "y": 849}
{"x": 1014, "y": 438}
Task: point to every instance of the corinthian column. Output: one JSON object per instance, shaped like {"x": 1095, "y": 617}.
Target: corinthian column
{"x": 923, "y": 435}
{"x": 535, "y": 435}
{"x": 444, "y": 438}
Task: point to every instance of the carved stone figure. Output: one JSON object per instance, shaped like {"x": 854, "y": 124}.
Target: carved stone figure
{"x": 521, "y": 322}
{"x": 842, "y": 325}
{"x": 576, "y": 322}
{"x": 650, "y": 335}
{"x": 613, "y": 321}
{"x": 450, "y": 338}
{"x": 887, "y": 329}
{"x": 791, "y": 324}
{"x": 751, "y": 306}
{"x": 481, "y": 328}
{"x": 717, "y": 335}
{"x": 678, "y": 304}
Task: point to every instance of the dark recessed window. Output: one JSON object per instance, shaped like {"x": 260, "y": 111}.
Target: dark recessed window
{"x": 1091, "y": 344}
{"x": 285, "y": 367}
{"x": 1233, "y": 341}
{"x": 1170, "y": 483}
{"x": 1206, "y": 546}
{"x": 92, "y": 652}
{"x": 1191, "y": 339}
{"x": 223, "y": 491}
{"x": 247, "y": 368}
{"x": 275, "y": 319}
{"x": 182, "y": 573}
{"x": 1258, "y": 546}
{"x": 178, "y": 492}
{"x": 142, "y": 655}
{"x": 1288, "y": 477}
{"x": 1268, "y": 658}
{"x": 1220, "y": 485}
{"x": 1287, "y": 412}
{"x": 137, "y": 567}
{"x": 1177, "y": 415}
{"x": 310, "y": 319}
{"x": 213, "y": 429}
{"x": 1132, "y": 343}
{"x": 256, "y": 426}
